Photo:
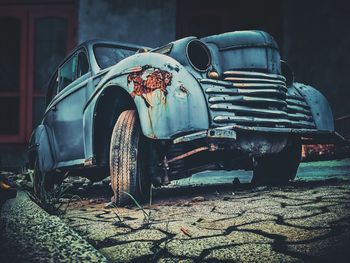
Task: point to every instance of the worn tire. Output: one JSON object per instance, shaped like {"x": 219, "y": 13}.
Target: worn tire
{"x": 278, "y": 168}
{"x": 126, "y": 160}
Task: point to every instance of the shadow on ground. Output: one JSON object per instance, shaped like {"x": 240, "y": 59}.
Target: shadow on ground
{"x": 303, "y": 221}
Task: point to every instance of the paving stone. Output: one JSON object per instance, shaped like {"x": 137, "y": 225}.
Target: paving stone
{"x": 248, "y": 252}
{"x": 137, "y": 251}
{"x": 269, "y": 224}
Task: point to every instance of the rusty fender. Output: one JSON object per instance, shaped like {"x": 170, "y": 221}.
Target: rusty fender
{"x": 168, "y": 98}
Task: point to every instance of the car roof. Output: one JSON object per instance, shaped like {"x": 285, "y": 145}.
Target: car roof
{"x": 88, "y": 46}
{"x": 89, "y": 43}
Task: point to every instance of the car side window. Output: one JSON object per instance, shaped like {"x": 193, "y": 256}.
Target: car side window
{"x": 83, "y": 64}
{"x": 72, "y": 69}
{"x": 67, "y": 72}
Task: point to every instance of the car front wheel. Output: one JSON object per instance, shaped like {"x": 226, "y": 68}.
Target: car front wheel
{"x": 127, "y": 160}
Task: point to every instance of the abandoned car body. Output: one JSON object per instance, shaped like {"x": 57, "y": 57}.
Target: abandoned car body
{"x": 151, "y": 116}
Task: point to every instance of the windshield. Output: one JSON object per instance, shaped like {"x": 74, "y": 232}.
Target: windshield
{"x": 107, "y": 56}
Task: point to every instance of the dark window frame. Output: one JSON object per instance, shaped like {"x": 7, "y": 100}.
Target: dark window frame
{"x": 28, "y": 12}
{"x": 21, "y": 92}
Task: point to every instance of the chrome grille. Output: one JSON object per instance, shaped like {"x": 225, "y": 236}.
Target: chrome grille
{"x": 255, "y": 99}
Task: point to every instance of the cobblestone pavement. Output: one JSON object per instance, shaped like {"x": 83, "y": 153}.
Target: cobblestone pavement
{"x": 301, "y": 222}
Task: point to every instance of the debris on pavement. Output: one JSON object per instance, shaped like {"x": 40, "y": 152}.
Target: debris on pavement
{"x": 198, "y": 199}
{"x": 185, "y": 231}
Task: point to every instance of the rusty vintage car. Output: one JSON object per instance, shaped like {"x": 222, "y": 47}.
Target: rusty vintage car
{"x": 148, "y": 116}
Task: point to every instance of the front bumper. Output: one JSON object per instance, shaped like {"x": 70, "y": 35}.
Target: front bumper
{"x": 231, "y": 132}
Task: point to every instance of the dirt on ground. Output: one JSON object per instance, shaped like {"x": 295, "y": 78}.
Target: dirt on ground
{"x": 301, "y": 222}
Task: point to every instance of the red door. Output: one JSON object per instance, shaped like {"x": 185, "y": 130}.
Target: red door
{"x": 37, "y": 38}
{"x": 13, "y": 74}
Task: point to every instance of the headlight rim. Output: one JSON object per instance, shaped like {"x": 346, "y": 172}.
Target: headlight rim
{"x": 206, "y": 50}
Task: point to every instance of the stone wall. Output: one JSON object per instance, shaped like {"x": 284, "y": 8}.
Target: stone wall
{"x": 316, "y": 44}
{"x": 150, "y": 23}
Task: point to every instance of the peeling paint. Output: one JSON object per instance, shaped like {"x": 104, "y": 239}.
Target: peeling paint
{"x": 181, "y": 92}
{"x": 147, "y": 81}
{"x": 183, "y": 89}
{"x": 173, "y": 67}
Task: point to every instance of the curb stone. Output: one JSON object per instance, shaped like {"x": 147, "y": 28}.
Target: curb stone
{"x": 29, "y": 234}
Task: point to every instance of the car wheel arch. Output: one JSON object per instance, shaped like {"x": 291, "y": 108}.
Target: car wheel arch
{"x": 319, "y": 106}
{"x": 112, "y": 101}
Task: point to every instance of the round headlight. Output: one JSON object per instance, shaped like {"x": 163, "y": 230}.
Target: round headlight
{"x": 198, "y": 55}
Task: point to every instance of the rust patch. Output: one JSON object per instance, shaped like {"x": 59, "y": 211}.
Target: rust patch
{"x": 183, "y": 89}
{"x": 147, "y": 81}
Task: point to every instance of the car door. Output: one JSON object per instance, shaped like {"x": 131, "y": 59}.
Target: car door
{"x": 66, "y": 110}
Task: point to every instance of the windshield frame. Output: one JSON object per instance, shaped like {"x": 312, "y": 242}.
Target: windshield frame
{"x": 114, "y": 46}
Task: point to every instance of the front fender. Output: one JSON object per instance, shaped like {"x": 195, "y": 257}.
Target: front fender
{"x": 40, "y": 147}
{"x": 319, "y": 107}
{"x": 169, "y": 100}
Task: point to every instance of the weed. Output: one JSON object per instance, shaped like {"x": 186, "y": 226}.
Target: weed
{"x": 51, "y": 201}
{"x": 146, "y": 215}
